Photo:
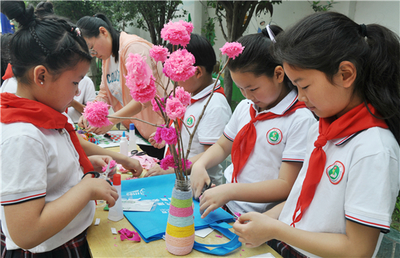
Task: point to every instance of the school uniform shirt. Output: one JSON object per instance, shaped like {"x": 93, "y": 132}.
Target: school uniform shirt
{"x": 211, "y": 126}
{"x": 113, "y": 89}
{"x": 278, "y": 139}
{"x": 9, "y": 85}
{"x": 360, "y": 183}
{"x": 40, "y": 163}
{"x": 86, "y": 94}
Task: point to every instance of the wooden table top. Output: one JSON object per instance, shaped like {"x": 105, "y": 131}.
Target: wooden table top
{"x": 103, "y": 243}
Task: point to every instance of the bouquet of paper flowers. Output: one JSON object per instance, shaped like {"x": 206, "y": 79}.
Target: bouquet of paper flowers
{"x": 177, "y": 66}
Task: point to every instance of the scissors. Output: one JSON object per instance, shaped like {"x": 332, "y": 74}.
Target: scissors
{"x": 97, "y": 175}
{"x": 205, "y": 187}
{"x": 138, "y": 153}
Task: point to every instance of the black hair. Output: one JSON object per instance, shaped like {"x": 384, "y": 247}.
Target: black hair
{"x": 274, "y": 28}
{"x": 89, "y": 25}
{"x": 49, "y": 41}
{"x": 321, "y": 41}
{"x": 256, "y": 57}
{"x": 202, "y": 51}
{"x": 5, "y": 52}
{"x": 44, "y": 8}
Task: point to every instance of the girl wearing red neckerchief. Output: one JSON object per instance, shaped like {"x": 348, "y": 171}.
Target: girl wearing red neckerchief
{"x": 45, "y": 205}
{"x": 265, "y": 136}
{"x": 342, "y": 201}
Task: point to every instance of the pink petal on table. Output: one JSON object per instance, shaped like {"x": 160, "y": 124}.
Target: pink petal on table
{"x": 218, "y": 236}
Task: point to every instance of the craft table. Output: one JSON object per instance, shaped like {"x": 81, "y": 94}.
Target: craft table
{"x": 103, "y": 243}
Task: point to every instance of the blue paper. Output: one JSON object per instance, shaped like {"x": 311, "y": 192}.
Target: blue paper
{"x": 152, "y": 225}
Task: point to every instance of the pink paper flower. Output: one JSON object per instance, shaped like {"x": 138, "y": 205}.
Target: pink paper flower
{"x": 183, "y": 96}
{"x": 169, "y": 135}
{"x": 144, "y": 92}
{"x": 232, "y": 50}
{"x": 175, "y": 108}
{"x": 179, "y": 66}
{"x": 96, "y": 113}
{"x": 139, "y": 71}
{"x": 130, "y": 235}
{"x": 161, "y": 101}
{"x": 177, "y": 33}
{"x": 167, "y": 162}
{"x": 186, "y": 164}
{"x": 159, "y": 53}
{"x": 112, "y": 163}
{"x": 157, "y": 136}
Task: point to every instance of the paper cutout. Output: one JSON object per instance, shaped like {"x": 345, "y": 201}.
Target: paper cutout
{"x": 129, "y": 235}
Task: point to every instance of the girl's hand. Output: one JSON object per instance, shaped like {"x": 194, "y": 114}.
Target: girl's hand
{"x": 156, "y": 170}
{"x": 100, "y": 130}
{"x": 99, "y": 161}
{"x": 198, "y": 179}
{"x": 213, "y": 198}
{"x": 254, "y": 228}
{"x": 154, "y": 143}
{"x": 83, "y": 122}
{"x": 132, "y": 165}
{"x": 100, "y": 189}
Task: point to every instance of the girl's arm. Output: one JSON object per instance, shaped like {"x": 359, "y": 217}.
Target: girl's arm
{"x": 255, "y": 229}
{"x": 44, "y": 220}
{"x": 210, "y": 158}
{"x": 259, "y": 192}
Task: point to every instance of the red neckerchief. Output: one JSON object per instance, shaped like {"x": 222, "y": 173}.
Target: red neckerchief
{"x": 15, "y": 109}
{"x": 217, "y": 90}
{"x": 354, "y": 121}
{"x": 8, "y": 73}
{"x": 245, "y": 140}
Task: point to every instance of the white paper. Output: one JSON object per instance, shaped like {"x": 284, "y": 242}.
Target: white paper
{"x": 136, "y": 205}
{"x": 266, "y": 255}
{"x": 203, "y": 232}
{"x": 97, "y": 222}
{"x": 114, "y": 231}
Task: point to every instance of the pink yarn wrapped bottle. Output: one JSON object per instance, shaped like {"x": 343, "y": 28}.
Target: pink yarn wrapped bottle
{"x": 179, "y": 236}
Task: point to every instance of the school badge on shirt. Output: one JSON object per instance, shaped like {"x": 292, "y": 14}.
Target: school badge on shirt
{"x": 190, "y": 121}
{"x": 274, "y": 136}
{"x": 335, "y": 172}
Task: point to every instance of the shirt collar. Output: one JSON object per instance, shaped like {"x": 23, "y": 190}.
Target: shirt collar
{"x": 206, "y": 91}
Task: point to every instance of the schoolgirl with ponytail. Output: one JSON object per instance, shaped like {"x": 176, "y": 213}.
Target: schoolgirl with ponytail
{"x": 342, "y": 201}
{"x": 265, "y": 136}
{"x": 45, "y": 206}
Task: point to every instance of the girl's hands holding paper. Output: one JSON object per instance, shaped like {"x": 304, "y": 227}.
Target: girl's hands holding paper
{"x": 213, "y": 198}
{"x": 99, "y": 161}
{"x": 100, "y": 189}
{"x": 254, "y": 228}
{"x": 198, "y": 179}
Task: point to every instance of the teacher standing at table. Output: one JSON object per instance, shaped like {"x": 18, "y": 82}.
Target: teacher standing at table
{"x": 114, "y": 47}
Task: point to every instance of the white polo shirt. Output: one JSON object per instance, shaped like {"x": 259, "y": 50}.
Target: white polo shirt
{"x": 360, "y": 183}
{"x": 86, "y": 93}
{"x": 211, "y": 126}
{"x": 37, "y": 163}
{"x": 264, "y": 162}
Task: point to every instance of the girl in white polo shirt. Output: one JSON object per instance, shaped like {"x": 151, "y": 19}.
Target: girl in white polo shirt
{"x": 216, "y": 115}
{"x": 45, "y": 205}
{"x": 266, "y": 136}
{"x": 344, "y": 196}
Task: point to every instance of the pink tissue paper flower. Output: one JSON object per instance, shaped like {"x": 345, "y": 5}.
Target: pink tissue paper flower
{"x": 139, "y": 71}
{"x": 186, "y": 164}
{"x": 183, "y": 96}
{"x": 175, "y": 108}
{"x": 179, "y": 65}
{"x": 159, "y": 53}
{"x": 96, "y": 113}
{"x": 232, "y": 50}
{"x": 169, "y": 135}
{"x": 167, "y": 162}
{"x": 144, "y": 92}
{"x": 156, "y": 108}
{"x": 157, "y": 136}
{"x": 112, "y": 163}
{"x": 177, "y": 33}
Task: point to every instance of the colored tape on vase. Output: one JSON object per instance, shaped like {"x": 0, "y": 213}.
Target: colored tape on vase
{"x": 179, "y": 241}
{"x": 179, "y": 203}
{"x": 180, "y": 221}
{"x": 180, "y": 212}
{"x": 179, "y": 250}
{"x": 180, "y": 232}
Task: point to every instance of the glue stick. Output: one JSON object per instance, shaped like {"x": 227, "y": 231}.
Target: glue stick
{"x": 116, "y": 213}
{"x": 132, "y": 138}
{"x": 123, "y": 145}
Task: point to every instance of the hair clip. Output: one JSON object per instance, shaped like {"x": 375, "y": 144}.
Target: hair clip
{"x": 270, "y": 33}
{"x": 76, "y": 30}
